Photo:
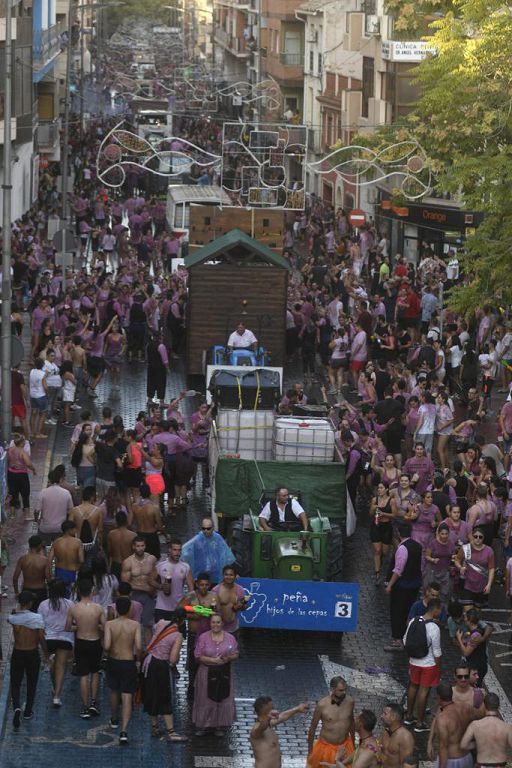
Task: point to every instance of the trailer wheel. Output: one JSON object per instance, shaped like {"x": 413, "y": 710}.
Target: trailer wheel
{"x": 241, "y": 546}
{"x": 334, "y": 569}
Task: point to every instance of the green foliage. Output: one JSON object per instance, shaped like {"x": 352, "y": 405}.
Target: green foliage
{"x": 463, "y": 120}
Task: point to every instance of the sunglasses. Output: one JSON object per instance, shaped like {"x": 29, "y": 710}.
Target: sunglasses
{"x": 462, "y": 677}
{"x": 207, "y": 528}
{"x": 478, "y": 537}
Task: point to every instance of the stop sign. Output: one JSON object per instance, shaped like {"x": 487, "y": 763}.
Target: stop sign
{"x": 357, "y": 217}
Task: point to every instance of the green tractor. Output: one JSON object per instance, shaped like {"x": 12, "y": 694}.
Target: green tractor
{"x": 315, "y": 554}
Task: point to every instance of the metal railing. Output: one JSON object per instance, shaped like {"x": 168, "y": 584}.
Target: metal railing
{"x": 46, "y": 44}
{"x": 292, "y": 59}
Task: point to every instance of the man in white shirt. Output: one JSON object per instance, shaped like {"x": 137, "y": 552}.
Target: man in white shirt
{"x": 283, "y": 514}
{"x": 242, "y": 338}
{"x": 424, "y": 672}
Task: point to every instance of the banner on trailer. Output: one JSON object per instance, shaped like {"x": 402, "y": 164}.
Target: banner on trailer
{"x": 307, "y": 605}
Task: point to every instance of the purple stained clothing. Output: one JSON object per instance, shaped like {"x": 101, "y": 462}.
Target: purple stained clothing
{"x": 443, "y": 552}
{"x": 162, "y": 649}
{"x": 205, "y": 712}
{"x": 401, "y": 557}
{"x": 176, "y": 575}
{"x": 355, "y": 456}
{"x": 96, "y": 345}
{"x": 461, "y": 533}
{"x": 162, "y": 350}
{"x": 173, "y": 443}
{"x": 475, "y": 580}
{"x": 423, "y": 468}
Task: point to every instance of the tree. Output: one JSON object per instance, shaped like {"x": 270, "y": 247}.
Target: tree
{"x": 463, "y": 120}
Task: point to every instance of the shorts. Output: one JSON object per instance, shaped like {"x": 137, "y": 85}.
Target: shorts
{"x": 39, "y": 403}
{"x": 381, "y": 533}
{"x": 88, "y": 655}
{"x": 95, "y": 365}
{"x": 338, "y": 362}
{"x": 148, "y": 607}
{"x": 474, "y": 598}
{"x": 121, "y": 675}
{"x": 459, "y": 762}
{"x": 325, "y": 752}
{"x": 58, "y": 645}
{"x": 156, "y": 484}
{"x": 426, "y": 677}
{"x": 357, "y": 365}
{"x": 18, "y": 410}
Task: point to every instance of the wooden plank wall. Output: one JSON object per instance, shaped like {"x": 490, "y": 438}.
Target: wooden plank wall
{"x": 208, "y": 222}
{"x": 214, "y": 308}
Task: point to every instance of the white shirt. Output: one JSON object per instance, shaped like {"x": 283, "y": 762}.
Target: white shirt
{"x": 53, "y": 378}
{"x": 35, "y": 382}
{"x": 434, "y": 645}
{"x": 245, "y": 340}
{"x": 296, "y": 509}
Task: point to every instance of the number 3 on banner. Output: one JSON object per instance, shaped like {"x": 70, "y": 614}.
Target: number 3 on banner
{"x": 343, "y": 610}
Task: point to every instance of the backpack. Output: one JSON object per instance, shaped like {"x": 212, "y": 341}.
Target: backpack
{"x": 416, "y": 641}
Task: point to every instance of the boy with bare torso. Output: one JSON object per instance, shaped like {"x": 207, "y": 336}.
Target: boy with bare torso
{"x": 68, "y": 553}
{"x": 87, "y": 619}
{"x": 123, "y": 645}
{"x": 32, "y": 566}
{"x": 335, "y": 712}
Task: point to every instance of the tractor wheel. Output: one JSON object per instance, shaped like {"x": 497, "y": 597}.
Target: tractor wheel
{"x": 241, "y": 546}
{"x": 334, "y": 570}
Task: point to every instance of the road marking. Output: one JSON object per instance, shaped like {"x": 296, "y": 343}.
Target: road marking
{"x": 381, "y": 684}
{"x": 497, "y": 642}
{"x": 501, "y": 655}
{"x": 493, "y": 684}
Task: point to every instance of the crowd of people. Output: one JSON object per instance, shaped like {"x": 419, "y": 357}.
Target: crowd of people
{"x": 426, "y": 459}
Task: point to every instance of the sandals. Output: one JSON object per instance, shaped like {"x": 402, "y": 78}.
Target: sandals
{"x": 174, "y": 737}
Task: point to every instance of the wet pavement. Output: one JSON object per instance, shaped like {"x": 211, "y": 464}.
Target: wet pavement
{"x": 292, "y": 667}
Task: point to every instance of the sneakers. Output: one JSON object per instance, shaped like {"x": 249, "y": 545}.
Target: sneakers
{"x": 114, "y": 723}
{"x": 421, "y": 728}
{"x": 57, "y": 702}
{"x": 76, "y": 407}
{"x": 123, "y": 737}
{"x": 51, "y": 421}
{"x": 94, "y": 710}
{"x": 28, "y": 714}
{"x": 85, "y": 714}
{"x": 409, "y": 720}
{"x": 91, "y": 393}
{"x": 16, "y": 720}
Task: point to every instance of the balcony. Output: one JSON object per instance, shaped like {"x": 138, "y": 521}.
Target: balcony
{"x": 46, "y": 46}
{"x": 48, "y": 134}
{"x": 292, "y": 59}
{"x": 235, "y": 45}
{"x": 286, "y": 68}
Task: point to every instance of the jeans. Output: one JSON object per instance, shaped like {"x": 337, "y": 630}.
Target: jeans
{"x": 86, "y": 476}
{"x": 24, "y": 663}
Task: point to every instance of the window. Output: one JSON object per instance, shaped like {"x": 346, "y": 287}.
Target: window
{"x": 319, "y": 63}
{"x": 311, "y": 63}
{"x": 368, "y": 84}
{"x": 266, "y": 222}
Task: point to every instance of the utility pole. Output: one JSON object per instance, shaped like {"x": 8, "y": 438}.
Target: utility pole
{"x": 65, "y": 152}
{"x": 6, "y": 231}
{"x": 82, "y": 78}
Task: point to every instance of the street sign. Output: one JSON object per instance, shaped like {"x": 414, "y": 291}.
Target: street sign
{"x": 71, "y": 243}
{"x": 306, "y": 605}
{"x": 357, "y": 217}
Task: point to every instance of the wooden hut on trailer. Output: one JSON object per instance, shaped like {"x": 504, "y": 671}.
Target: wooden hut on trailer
{"x": 231, "y": 280}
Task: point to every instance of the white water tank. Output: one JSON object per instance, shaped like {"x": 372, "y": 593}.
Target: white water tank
{"x": 247, "y": 433}
{"x": 307, "y": 439}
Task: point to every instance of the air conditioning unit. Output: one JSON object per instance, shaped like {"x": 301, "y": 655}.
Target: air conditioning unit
{"x": 372, "y": 26}
{"x": 313, "y": 36}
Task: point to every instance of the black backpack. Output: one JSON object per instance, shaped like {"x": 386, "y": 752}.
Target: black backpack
{"x": 416, "y": 640}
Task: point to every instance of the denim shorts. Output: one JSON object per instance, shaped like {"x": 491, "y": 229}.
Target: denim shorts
{"x": 39, "y": 403}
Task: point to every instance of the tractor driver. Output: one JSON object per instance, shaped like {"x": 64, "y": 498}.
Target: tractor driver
{"x": 283, "y": 514}
{"x": 242, "y": 338}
